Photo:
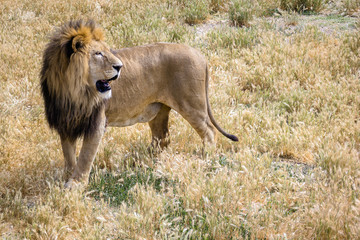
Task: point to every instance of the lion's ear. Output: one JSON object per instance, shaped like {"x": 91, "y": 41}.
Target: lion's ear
{"x": 77, "y": 39}
{"x": 74, "y": 45}
{"x": 78, "y": 43}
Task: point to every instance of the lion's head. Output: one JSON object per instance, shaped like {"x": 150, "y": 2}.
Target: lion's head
{"x": 77, "y": 68}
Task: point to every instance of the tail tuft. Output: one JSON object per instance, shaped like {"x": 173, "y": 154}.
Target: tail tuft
{"x": 232, "y": 137}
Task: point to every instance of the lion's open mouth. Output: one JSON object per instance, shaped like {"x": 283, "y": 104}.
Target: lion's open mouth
{"x": 103, "y": 85}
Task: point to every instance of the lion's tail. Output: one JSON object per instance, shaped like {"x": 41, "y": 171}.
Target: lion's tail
{"x": 230, "y": 136}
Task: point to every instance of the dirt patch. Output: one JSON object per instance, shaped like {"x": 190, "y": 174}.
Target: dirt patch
{"x": 288, "y": 24}
{"x": 328, "y": 24}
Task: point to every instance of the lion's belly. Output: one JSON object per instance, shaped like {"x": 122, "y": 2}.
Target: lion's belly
{"x": 146, "y": 115}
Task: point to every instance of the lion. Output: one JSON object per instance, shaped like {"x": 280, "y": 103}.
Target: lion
{"x": 86, "y": 86}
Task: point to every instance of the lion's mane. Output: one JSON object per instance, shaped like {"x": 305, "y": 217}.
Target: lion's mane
{"x": 72, "y": 107}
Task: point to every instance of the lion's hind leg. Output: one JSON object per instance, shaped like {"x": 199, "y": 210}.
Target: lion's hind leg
{"x": 160, "y": 128}
{"x": 205, "y": 129}
{"x": 200, "y": 121}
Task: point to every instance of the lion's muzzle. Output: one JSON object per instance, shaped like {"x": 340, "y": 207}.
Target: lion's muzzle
{"x": 104, "y": 85}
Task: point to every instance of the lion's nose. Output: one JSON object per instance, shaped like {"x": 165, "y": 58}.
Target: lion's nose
{"x": 117, "y": 67}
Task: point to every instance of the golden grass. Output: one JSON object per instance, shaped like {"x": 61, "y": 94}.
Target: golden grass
{"x": 291, "y": 94}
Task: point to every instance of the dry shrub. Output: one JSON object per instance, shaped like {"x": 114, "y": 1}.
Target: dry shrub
{"x": 241, "y": 12}
{"x": 195, "y": 11}
{"x": 350, "y": 6}
{"x": 303, "y": 5}
{"x": 218, "y": 5}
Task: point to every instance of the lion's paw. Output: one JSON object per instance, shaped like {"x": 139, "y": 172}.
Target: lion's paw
{"x": 74, "y": 185}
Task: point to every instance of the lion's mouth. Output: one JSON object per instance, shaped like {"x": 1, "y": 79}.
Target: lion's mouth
{"x": 104, "y": 85}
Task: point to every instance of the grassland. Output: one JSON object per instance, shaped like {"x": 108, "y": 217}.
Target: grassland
{"x": 287, "y": 85}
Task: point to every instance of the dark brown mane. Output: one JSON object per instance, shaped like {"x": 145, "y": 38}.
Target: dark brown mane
{"x": 66, "y": 118}
{"x": 72, "y": 108}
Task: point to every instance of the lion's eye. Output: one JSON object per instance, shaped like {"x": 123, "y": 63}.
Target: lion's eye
{"x": 98, "y": 54}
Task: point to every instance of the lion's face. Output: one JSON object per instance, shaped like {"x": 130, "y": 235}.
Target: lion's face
{"x": 103, "y": 67}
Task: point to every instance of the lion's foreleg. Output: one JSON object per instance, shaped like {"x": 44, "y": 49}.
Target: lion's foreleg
{"x": 87, "y": 155}
{"x": 69, "y": 151}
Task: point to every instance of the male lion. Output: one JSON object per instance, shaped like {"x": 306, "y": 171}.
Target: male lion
{"x": 79, "y": 101}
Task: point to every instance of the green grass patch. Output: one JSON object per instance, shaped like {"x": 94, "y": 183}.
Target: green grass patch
{"x": 114, "y": 189}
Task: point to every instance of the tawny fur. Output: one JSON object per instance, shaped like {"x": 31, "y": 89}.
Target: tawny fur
{"x": 154, "y": 79}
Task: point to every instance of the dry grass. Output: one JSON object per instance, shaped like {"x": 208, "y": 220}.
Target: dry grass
{"x": 291, "y": 93}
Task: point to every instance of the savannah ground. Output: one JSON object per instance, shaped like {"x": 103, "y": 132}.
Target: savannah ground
{"x": 286, "y": 83}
